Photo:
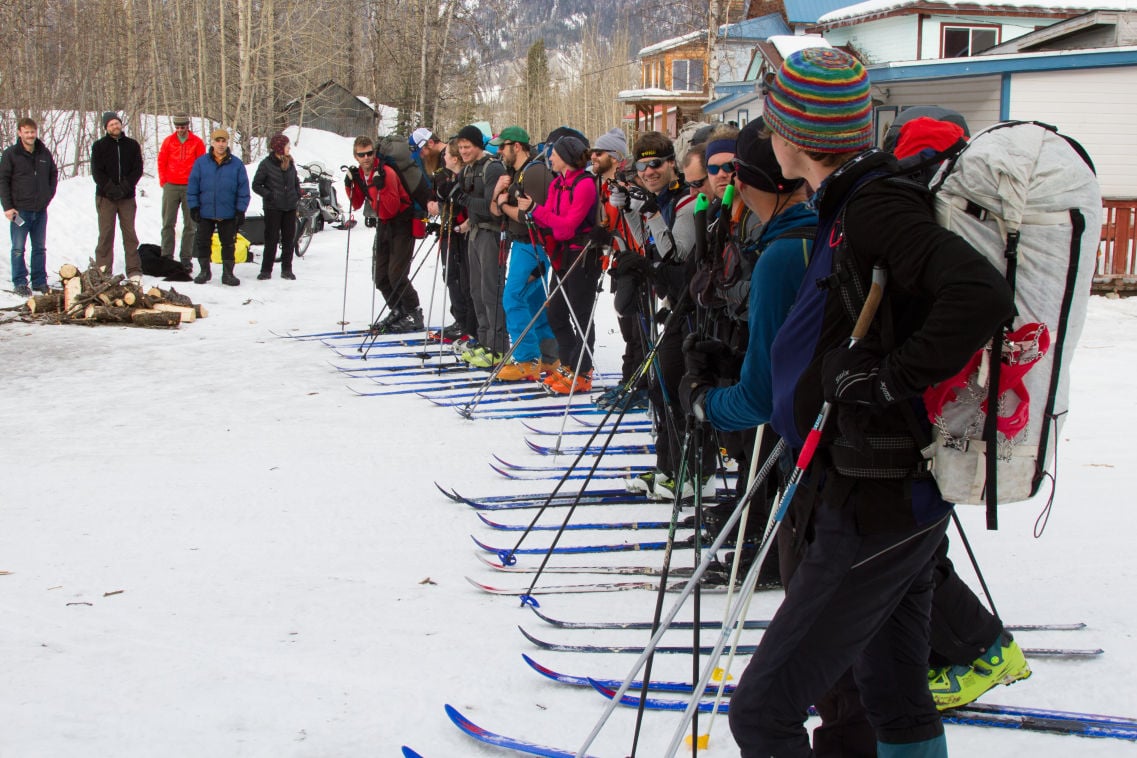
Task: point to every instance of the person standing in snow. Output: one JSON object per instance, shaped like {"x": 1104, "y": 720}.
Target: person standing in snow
{"x": 175, "y": 161}
{"x": 375, "y": 185}
{"x": 861, "y": 597}
{"x": 218, "y": 195}
{"x": 28, "y": 178}
{"x": 278, "y": 185}
{"x": 116, "y": 166}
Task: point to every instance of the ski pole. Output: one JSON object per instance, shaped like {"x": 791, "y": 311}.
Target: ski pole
{"x": 469, "y": 407}
{"x": 374, "y": 336}
{"x": 695, "y": 578}
{"x": 346, "y": 258}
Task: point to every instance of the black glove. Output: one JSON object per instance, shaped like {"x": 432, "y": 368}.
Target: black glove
{"x": 857, "y": 376}
{"x": 600, "y": 236}
{"x": 370, "y": 222}
{"x": 195, "y": 214}
{"x": 433, "y": 228}
{"x": 630, "y": 263}
{"x": 641, "y": 201}
{"x": 352, "y": 178}
{"x": 240, "y": 218}
{"x": 379, "y": 178}
{"x": 705, "y": 360}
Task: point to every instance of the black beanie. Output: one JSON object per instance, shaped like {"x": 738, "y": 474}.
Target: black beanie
{"x": 756, "y": 163}
{"x": 570, "y": 149}
{"x": 110, "y": 116}
{"x": 473, "y": 135}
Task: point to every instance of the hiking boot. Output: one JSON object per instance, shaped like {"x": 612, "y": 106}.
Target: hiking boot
{"x": 520, "y": 371}
{"x": 636, "y": 400}
{"x": 227, "y": 276}
{"x": 471, "y": 352}
{"x": 955, "y": 686}
{"x": 264, "y": 275}
{"x": 665, "y": 488}
{"x": 187, "y": 264}
{"x": 44, "y": 290}
{"x": 644, "y": 483}
{"x": 383, "y": 325}
{"x": 452, "y": 332}
{"x": 570, "y": 383}
{"x": 485, "y": 359}
{"x": 608, "y": 398}
{"x": 23, "y": 291}
{"x": 287, "y": 274}
{"x": 408, "y": 322}
{"x": 206, "y": 274}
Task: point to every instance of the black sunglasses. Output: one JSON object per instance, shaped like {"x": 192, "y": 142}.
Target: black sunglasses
{"x": 728, "y": 167}
{"x": 368, "y": 154}
{"x": 697, "y": 183}
{"x": 652, "y": 163}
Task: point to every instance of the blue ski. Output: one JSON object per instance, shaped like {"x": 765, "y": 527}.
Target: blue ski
{"x": 561, "y": 469}
{"x": 500, "y": 740}
{"x": 627, "y": 547}
{"x": 645, "y": 449}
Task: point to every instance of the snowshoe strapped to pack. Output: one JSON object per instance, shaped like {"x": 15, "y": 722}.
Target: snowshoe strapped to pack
{"x": 1027, "y": 198}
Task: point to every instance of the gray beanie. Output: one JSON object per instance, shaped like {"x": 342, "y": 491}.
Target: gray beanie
{"x": 613, "y": 141}
{"x": 110, "y": 116}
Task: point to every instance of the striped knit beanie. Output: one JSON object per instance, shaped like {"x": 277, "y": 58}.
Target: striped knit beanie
{"x": 820, "y": 102}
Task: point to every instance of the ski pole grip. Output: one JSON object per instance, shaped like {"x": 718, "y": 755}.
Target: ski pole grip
{"x": 872, "y": 303}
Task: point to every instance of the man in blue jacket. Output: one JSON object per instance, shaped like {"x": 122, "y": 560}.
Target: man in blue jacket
{"x": 218, "y": 195}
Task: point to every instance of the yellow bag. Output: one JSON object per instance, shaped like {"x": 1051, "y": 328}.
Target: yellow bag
{"x": 240, "y": 249}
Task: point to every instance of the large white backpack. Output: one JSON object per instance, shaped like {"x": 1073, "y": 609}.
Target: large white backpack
{"x": 1028, "y": 198}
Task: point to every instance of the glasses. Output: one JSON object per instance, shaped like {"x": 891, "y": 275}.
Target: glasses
{"x": 697, "y": 183}
{"x": 367, "y": 154}
{"x": 713, "y": 170}
{"x": 507, "y": 144}
{"x": 653, "y": 163}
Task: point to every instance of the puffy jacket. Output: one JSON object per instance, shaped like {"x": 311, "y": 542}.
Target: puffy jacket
{"x": 116, "y": 166}
{"x": 27, "y": 180}
{"x": 280, "y": 187}
{"x": 218, "y": 190}
{"x": 175, "y": 158}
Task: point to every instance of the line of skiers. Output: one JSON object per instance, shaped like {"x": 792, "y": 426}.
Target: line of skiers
{"x": 736, "y": 317}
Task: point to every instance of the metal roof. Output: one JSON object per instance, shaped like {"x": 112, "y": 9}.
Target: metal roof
{"x": 808, "y": 11}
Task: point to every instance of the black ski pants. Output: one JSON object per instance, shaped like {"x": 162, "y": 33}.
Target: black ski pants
{"x": 858, "y": 603}
{"x": 226, "y": 229}
{"x": 576, "y": 298}
{"x": 280, "y": 228}
{"x": 667, "y": 371}
{"x": 391, "y": 256}
{"x": 452, "y": 246}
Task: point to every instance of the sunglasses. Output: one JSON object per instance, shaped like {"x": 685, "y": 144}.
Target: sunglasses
{"x": 728, "y": 167}
{"x": 653, "y": 163}
{"x": 697, "y": 183}
{"x": 367, "y": 154}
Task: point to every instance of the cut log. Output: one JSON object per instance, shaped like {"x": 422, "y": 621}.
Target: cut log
{"x": 200, "y": 311}
{"x": 71, "y": 290}
{"x": 103, "y": 313}
{"x": 156, "y": 293}
{"x": 68, "y": 271}
{"x": 187, "y": 312}
{"x": 46, "y": 303}
{"x": 130, "y": 297}
{"x": 155, "y": 319}
{"x": 105, "y": 298}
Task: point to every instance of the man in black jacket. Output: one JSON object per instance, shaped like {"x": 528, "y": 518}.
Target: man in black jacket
{"x": 116, "y": 165}
{"x": 28, "y": 178}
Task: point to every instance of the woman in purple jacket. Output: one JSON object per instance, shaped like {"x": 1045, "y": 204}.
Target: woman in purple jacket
{"x": 565, "y": 220}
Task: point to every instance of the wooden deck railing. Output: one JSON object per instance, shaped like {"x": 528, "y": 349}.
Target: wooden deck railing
{"x": 1117, "y": 255}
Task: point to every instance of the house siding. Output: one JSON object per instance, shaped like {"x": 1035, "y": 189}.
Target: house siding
{"x": 1009, "y": 29}
{"x": 1097, "y": 107}
{"x": 977, "y": 98}
{"x": 887, "y": 39}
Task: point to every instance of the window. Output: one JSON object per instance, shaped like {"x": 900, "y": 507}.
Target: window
{"x": 687, "y": 75}
{"x": 963, "y": 41}
{"x": 743, "y": 118}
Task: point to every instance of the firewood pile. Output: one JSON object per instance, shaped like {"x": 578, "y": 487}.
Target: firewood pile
{"x": 92, "y": 297}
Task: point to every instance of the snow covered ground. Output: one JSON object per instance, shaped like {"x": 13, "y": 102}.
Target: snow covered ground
{"x": 215, "y": 549}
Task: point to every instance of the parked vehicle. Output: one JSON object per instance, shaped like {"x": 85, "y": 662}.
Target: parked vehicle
{"x": 318, "y": 205}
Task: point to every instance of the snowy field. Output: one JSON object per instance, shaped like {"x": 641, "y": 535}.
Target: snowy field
{"x": 209, "y": 546}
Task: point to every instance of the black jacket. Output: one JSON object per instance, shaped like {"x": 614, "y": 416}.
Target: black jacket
{"x": 116, "y": 165}
{"x": 27, "y": 180}
{"x": 279, "y": 187}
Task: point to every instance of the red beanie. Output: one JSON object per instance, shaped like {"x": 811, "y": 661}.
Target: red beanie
{"x": 924, "y": 133}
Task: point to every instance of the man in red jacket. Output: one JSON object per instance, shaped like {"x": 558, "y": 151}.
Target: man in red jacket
{"x": 175, "y": 159}
{"x": 376, "y": 187}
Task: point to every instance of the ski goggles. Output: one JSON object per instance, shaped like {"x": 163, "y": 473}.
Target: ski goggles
{"x": 652, "y": 163}
{"x": 728, "y": 167}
